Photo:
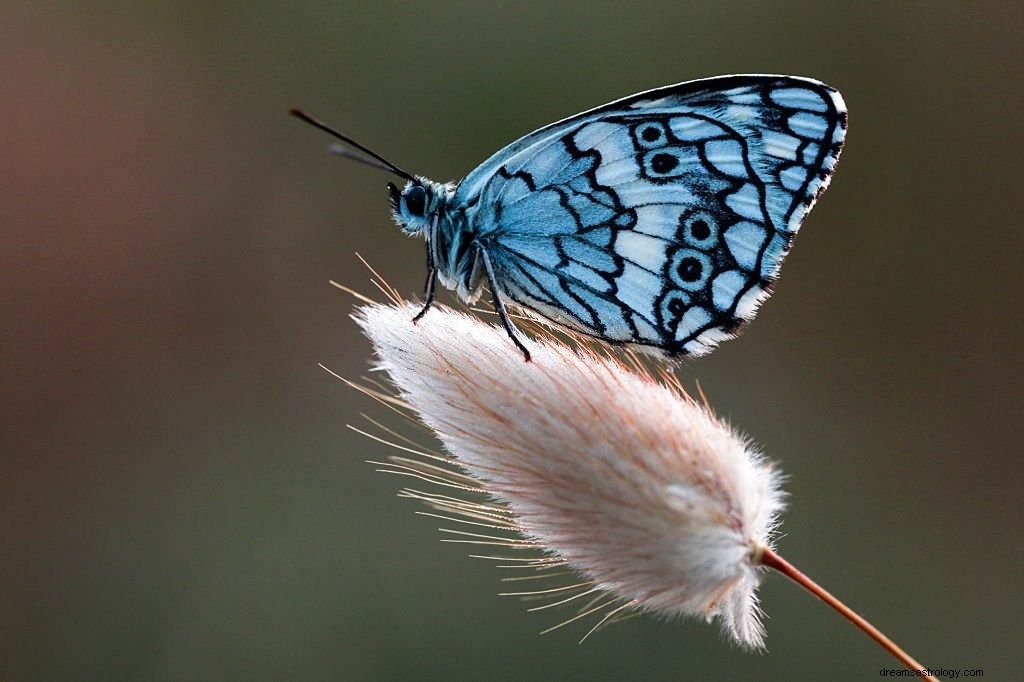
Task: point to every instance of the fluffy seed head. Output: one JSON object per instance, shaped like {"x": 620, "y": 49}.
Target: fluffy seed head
{"x": 610, "y": 471}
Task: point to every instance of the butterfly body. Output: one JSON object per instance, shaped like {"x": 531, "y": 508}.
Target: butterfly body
{"x": 660, "y": 220}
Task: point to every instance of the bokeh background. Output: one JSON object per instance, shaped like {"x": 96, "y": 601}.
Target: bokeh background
{"x": 180, "y": 498}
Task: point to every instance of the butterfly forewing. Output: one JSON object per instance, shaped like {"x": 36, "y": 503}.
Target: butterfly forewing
{"x": 661, "y": 219}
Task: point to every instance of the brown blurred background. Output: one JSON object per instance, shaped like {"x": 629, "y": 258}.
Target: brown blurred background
{"x": 179, "y": 496}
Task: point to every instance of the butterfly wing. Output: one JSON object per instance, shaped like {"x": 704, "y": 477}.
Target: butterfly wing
{"x": 661, "y": 219}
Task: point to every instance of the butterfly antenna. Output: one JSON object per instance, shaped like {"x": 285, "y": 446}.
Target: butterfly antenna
{"x": 343, "y": 151}
{"x": 377, "y": 161}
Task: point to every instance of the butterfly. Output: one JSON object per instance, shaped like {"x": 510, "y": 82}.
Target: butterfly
{"x": 659, "y": 220}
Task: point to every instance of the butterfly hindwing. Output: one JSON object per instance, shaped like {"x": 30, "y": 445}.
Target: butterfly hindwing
{"x": 661, "y": 219}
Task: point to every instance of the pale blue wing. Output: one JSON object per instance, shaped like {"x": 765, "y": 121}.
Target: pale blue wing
{"x": 661, "y": 219}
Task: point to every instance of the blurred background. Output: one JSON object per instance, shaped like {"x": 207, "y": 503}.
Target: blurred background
{"x": 180, "y": 498}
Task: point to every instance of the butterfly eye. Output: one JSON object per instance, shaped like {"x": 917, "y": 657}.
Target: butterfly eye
{"x": 394, "y": 196}
{"x": 416, "y": 200}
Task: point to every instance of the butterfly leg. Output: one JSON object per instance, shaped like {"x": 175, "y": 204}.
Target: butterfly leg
{"x": 499, "y": 305}
{"x": 429, "y": 286}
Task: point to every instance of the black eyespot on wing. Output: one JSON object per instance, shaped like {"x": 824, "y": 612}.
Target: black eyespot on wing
{"x": 416, "y": 200}
{"x": 690, "y": 269}
{"x": 700, "y": 230}
{"x": 663, "y": 163}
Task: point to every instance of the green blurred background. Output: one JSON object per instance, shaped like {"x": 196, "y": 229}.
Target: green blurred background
{"x": 180, "y": 498}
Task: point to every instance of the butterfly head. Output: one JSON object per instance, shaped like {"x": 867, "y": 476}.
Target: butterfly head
{"x": 415, "y": 206}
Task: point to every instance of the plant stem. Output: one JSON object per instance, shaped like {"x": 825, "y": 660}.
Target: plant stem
{"x": 767, "y": 557}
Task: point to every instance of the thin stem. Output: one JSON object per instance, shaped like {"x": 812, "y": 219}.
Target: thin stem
{"x": 767, "y": 557}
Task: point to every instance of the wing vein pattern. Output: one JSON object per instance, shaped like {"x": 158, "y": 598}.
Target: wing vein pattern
{"x": 662, "y": 219}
